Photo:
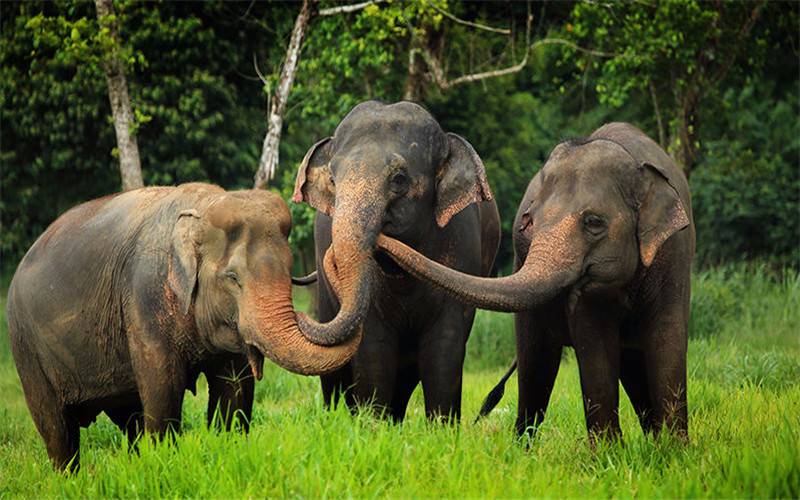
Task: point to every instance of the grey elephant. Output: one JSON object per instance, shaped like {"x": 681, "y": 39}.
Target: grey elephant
{"x": 604, "y": 241}
{"x": 125, "y": 300}
{"x": 391, "y": 168}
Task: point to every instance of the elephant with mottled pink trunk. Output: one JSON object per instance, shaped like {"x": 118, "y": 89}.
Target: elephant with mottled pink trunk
{"x": 391, "y": 168}
{"x": 604, "y": 241}
{"x": 125, "y": 300}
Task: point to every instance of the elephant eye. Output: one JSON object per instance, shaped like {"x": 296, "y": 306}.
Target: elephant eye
{"x": 594, "y": 223}
{"x": 398, "y": 182}
{"x": 231, "y": 275}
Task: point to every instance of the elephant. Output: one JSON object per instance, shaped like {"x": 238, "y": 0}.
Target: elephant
{"x": 603, "y": 242}
{"x": 391, "y": 168}
{"x": 124, "y": 300}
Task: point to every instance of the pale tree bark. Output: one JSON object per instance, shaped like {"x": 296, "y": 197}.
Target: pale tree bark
{"x": 268, "y": 163}
{"x": 129, "y": 164}
{"x": 269, "y": 151}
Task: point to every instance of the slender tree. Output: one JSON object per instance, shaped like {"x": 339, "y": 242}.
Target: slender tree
{"x": 268, "y": 163}
{"x": 129, "y": 164}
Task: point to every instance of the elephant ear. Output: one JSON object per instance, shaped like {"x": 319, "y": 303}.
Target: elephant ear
{"x": 314, "y": 183}
{"x": 661, "y": 214}
{"x": 460, "y": 180}
{"x": 182, "y": 276}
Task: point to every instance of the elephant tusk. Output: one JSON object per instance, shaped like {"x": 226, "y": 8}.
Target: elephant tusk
{"x": 306, "y": 280}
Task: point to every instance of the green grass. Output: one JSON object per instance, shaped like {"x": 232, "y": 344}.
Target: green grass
{"x": 744, "y": 403}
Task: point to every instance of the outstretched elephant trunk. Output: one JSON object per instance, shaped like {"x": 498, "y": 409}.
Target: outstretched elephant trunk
{"x": 553, "y": 263}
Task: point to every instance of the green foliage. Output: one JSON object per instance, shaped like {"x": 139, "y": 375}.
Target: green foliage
{"x": 747, "y": 192}
{"x": 200, "y": 109}
{"x": 195, "y": 119}
{"x": 678, "y": 47}
{"x": 54, "y": 119}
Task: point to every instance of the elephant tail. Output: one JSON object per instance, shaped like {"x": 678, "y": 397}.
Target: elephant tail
{"x": 496, "y": 394}
{"x": 309, "y": 279}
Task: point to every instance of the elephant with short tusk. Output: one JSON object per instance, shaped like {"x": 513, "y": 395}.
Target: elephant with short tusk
{"x": 125, "y": 300}
{"x": 604, "y": 242}
{"x": 391, "y": 168}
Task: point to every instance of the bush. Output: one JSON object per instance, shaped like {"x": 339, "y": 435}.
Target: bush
{"x": 746, "y": 192}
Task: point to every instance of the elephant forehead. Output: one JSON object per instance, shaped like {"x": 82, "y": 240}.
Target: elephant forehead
{"x": 387, "y": 154}
{"x": 591, "y": 162}
{"x": 236, "y": 215}
{"x": 381, "y": 135}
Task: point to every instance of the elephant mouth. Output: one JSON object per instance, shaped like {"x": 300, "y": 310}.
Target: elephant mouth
{"x": 389, "y": 267}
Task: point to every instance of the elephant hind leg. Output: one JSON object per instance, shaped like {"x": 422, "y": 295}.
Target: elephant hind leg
{"x": 633, "y": 375}
{"x": 57, "y": 425}
{"x": 407, "y": 380}
{"x": 130, "y": 420}
{"x": 230, "y": 393}
{"x": 336, "y": 385}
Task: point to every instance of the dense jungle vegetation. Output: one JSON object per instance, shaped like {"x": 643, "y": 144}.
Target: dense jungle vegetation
{"x": 715, "y": 83}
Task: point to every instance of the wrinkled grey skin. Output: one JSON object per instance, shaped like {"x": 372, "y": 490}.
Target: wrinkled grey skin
{"x": 604, "y": 241}
{"x": 391, "y": 168}
{"x": 125, "y": 300}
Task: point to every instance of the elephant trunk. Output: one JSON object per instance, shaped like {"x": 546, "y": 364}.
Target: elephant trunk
{"x": 276, "y": 330}
{"x": 553, "y": 263}
{"x": 301, "y": 344}
{"x": 350, "y": 270}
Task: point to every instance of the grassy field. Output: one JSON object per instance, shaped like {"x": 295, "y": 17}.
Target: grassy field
{"x": 744, "y": 410}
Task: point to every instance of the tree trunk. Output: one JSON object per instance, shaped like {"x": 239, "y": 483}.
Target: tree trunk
{"x": 684, "y": 136}
{"x": 268, "y": 162}
{"x": 129, "y": 164}
{"x": 415, "y": 80}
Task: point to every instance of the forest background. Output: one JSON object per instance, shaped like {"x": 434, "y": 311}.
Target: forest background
{"x": 716, "y": 83}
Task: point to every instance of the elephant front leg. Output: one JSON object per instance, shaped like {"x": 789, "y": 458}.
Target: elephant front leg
{"x": 539, "y": 346}
{"x": 161, "y": 382}
{"x": 230, "y": 393}
{"x": 441, "y": 362}
{"x": 595, "y": 336}
{"x": 375, "y": 368}
{"x": 666, "y": 339}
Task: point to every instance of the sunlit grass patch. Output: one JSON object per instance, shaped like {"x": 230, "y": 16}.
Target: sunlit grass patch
{"x": 743, "y": 395}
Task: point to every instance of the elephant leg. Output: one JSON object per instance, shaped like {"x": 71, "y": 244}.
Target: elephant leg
{"x": 441, "y": 361}
{"x": 56, "y": 424}
{"x": 539, "y": 347}
{"x": 633, "y": 375}
{"x": 407, "y": 380}
{"x": 595, "y": 336}
{"x": 375, "y": 367}
{"x": 230, "y": 393}
{"x": 161, "y": 382}
{"x": 665, "y": 359}
{"x": 61, "y": 434}
{"x": 130, "y": 420}
{"x": 337, "y": 384}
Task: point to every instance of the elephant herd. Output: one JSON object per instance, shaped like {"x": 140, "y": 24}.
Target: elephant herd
{"x": 123, "y": 301}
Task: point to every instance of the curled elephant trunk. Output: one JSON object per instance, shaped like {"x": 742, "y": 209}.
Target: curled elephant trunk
{"x": 350, "y": 270}
{"x": 275, "y": 329}
{"x": 297, "y": 342}
{"x": 552, "y": 264}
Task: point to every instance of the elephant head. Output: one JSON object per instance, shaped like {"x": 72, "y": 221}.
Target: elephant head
{"x": 589, "y": 219}
{"x": 232, "y": 262}
{"x": 388, "y": 168}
